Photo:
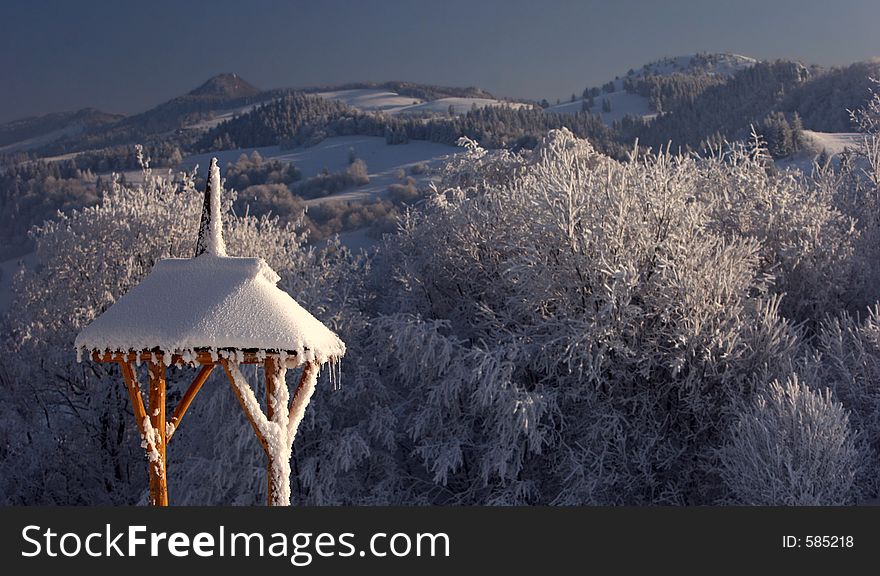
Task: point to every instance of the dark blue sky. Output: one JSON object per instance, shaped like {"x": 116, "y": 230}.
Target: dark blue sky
{"x": 125, "y": 56}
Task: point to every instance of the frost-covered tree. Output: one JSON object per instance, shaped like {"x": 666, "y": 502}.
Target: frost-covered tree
{"x": 572, "y": 329}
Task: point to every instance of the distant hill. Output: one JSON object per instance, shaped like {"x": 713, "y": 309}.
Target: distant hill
{"x": 688, "y": 100}
{"x": 725, "y": 110}
{"x": 221, "y": 92}
{"x": 823, "y": 102}
{"x": 645, "y": 91}
{"x": 38, "y": 130}
{"x": 224, "y": 87}
{"x": 694, "y": 99}
{"x": 720, "y": 64}
{"x": 217, "y": 96}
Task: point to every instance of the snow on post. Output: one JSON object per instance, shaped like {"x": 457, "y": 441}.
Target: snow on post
{"x": 210, "y": 239}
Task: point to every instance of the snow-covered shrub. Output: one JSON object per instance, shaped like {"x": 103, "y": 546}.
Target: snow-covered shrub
{"x": 849, "y": 362}
{"x": 858, "y": 192}
{"x": 806, "y": 243}
{"x": 571, "y": 329}
{"x": 792, "y": 446}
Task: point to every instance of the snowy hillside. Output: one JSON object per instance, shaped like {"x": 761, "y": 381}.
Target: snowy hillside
{"x": 832, "y": 142}
{"x": 623, "y": 103}
{"x": 720, "y": 64}
{"x": 221, "y": 116}
{"x": 459, "y": 105}
{"x": 383, "y": 161}
{"x": 380, "y": 100}
{"x": 371, "y": 99}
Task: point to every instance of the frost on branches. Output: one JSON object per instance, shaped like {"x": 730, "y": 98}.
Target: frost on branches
{"x": 573, "y": 329}
{"x": 792, "y": 446}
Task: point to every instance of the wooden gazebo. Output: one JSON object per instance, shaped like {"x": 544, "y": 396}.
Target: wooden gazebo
{"x": 207, "y": 311}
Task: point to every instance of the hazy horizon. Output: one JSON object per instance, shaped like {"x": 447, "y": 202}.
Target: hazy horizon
{"x": 118, "y": 58}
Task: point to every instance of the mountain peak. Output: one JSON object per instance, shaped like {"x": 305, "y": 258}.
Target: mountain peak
{"x": 227, "y": 85}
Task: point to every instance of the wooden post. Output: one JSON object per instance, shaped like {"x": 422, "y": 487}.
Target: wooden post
{"x": 273, "y": 381}
{"x": 187, "y": 399}
{"x": 134, "y": 393}
{"x": 244, "y": 407}
{"x": 158, "y": 478}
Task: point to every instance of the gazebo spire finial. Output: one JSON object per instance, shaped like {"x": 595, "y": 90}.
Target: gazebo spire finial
{"x": 211, "y": 226}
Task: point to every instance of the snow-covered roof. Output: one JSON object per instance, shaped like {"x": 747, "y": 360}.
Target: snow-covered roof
{"x": 212, "y": 302}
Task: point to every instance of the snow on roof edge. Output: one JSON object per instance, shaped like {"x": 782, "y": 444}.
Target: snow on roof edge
{"x": 213, "y": 303}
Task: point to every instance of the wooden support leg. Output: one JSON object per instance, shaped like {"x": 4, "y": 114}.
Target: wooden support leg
{"x": 158, "y": 478}
{"x": 273, "y": 381}
{"x": 187, "y": 399}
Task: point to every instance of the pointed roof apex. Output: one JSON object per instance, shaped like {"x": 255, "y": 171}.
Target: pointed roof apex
{"x": 210, "y": 239}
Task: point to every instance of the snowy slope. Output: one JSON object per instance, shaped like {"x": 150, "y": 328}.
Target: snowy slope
{"x": 37, "y": 141}
{"x": 720, "y": 64}
{"x": 222, "y": 116}
{"x": 371, "y": 100}
{"x": 460, "y": 105}
{"x": 379, "y": 100}
{"x": 383, "y": 161}
{"x": 832, "y": 142}
{"x": 623, "y": 103}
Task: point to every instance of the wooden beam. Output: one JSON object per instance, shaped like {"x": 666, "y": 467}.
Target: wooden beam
{"x": 244, "y": 407}
{"x": 134, "y": 393}
{"x": 202, "y": 357}
{"x": 183, "y": 404}
{"x": 158, "y": 475}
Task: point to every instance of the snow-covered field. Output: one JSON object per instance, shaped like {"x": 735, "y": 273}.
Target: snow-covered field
{"x": 832, "y": 142}
{"x": 377, "y": 100}
{"x": 622, "y": 104}
{"x": 383, "y": 161}
{"x": 459, "y": 105}
{"x": 41, "y": 140}
{"x": 222, "y": 116}
{"x": 372, "y": 100}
